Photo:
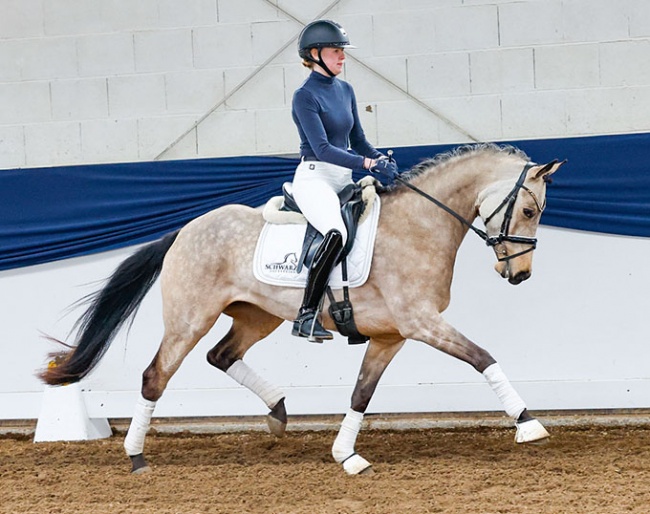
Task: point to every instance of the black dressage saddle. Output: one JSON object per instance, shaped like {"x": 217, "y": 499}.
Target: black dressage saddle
{"x": 352, "y": 207}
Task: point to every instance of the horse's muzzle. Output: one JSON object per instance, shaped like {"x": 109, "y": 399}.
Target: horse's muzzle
{"x": 519, "y": 277}
{"x": 503, "y": 269}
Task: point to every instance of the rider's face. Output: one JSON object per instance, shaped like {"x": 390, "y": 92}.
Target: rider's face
{"x": 332, "y": 57}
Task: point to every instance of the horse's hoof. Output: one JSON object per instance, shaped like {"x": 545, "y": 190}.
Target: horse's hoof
{"x": 139, "y": 465}
{"x": 357, "y": 465}
{"x": 277, "y": 427}
{"x": 277, "y": 419}
{"x": 141, "y": 471}
{"x": 531, "y": 431}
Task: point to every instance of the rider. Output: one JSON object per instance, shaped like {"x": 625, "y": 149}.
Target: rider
{"x": 325, "y": 111}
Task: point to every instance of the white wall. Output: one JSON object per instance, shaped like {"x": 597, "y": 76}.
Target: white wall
{"x": 575, "y": 336}
{"x": 88, "y": 81}
{"x": 85, "y": 81}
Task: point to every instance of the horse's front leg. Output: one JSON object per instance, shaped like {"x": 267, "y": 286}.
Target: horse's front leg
{"x": 378, "y": 355}
{"x": 444, "y": 337}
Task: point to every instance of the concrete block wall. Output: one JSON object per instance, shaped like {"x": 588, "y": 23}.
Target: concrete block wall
{"x": 92, "y": 81}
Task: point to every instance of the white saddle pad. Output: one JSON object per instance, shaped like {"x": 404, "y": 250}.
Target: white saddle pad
{"x": 279, "y": 248}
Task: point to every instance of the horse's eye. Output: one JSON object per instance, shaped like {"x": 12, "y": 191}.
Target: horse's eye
{"x": 529, "y": 213}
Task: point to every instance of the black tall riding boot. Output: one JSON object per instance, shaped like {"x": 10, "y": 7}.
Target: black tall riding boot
{"x": 326, "y": 257}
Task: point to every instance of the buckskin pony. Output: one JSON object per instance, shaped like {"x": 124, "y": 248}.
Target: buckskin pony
{"x": 206, "y": 269}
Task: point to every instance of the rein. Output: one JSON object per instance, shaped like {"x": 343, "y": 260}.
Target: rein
{"x": 508, "y": 202}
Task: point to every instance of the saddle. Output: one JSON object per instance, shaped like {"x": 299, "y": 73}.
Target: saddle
{"x": 353, "y": 205}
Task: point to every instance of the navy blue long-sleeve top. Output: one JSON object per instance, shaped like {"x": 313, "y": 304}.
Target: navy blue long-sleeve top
{"x": 325, "y": 111}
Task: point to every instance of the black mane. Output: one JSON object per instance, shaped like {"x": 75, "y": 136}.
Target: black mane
{"x": 442, "y": 158}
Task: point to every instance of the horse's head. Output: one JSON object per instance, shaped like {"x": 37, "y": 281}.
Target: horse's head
{"x": 511, "y": 215}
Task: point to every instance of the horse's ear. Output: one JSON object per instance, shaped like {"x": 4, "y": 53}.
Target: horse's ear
{"x": 546, "y": 170}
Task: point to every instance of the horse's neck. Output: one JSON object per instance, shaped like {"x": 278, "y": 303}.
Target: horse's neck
{"x": 458, "y": 184}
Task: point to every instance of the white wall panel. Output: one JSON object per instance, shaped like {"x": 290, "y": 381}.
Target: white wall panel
{"x": 265, "y": 90}
{"x": 437, "y": 51}
{"x": 639, "y": 15}
{"x": 109, "y": 140}
{"x": 402, "y": 123}
{"x": 574, "y": 336}
{"x": 195, "y": 91}
{"x": 227, "y": 133}
{"x": 534, "y": 115}
{"x": 431, "y": 76}
{"x": 420, "y": 30}
{"x": 275, "y": 130}
{"x": 168, "y": 50}
{"x": 191, "y": 13}
{"x": 25, "y": 102}
{"x": 223, "y": 46}
{"x": 482, "y": 113}
{"x": 502, "y": 71}
{"x": 21, "y": 18}
{"x": 67, "y": 17}
{"x": 79, "y": 99}
{"x": 46, "y": 58}
{"x": 151, "y": 131}
{"x": 12, "y": 145}
{"x": 567, "y": 67}
{"x": 117, "y": 80}
{"x": 60, "y": 141}
{"x": 136, "y": 95}
{"x": 105, "y": 55}
{"x": 625, "y": 63}
{"x": 467, "y": 28}
{"x": 586, "y": 20}
{"x": 531, "y": 23}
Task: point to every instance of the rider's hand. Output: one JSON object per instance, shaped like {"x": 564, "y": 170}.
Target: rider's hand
{"x": 386, "y": 167}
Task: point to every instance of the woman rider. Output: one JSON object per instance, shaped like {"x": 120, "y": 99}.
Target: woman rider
{"x": 325, "y": 111}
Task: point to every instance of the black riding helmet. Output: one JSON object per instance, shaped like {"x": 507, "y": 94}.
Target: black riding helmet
{"x": 322, "y": 34}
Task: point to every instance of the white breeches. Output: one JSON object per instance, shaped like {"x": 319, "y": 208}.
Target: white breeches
{"x": 316, "y": 186}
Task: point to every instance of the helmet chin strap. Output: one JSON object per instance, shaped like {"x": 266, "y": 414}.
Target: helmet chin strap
{"x": 321, "y": 63}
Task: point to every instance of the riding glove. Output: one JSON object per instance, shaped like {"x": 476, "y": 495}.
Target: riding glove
{"x": 386, "y": 167}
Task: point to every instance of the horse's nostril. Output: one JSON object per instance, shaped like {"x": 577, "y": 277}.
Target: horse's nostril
{"x": 519, "y": 277}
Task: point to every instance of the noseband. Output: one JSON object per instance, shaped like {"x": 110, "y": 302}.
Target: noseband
{"x": 508, "y": 203}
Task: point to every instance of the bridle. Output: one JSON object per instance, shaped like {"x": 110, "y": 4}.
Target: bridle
{"x": 508, "y": 203}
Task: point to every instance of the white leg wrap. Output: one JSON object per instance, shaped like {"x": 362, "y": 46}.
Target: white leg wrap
{"x": 343, "y": 446}
{"x": 134, "y": 440}
{"x": 242, "y": 374}
{"x": 512, "y": 402}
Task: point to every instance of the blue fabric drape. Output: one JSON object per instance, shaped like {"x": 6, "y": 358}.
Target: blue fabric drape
{"x": 48, "y": 214}
{"x": 604, "y": 187}
{"x": 56, "y": 213}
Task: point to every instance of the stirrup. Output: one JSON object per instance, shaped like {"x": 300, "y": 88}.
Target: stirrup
{"x": 307, "y": 325}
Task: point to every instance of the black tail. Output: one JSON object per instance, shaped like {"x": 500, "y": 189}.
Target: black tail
{"x": 108, "y": 310}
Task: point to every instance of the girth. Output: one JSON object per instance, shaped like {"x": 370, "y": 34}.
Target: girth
{"x": 352, "y": 207}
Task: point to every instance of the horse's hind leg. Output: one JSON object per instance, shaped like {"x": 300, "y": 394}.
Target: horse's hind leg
{"x": 179, "y": 339}
{"x": 378, "y": 355}
{"x": 250, "y": 324}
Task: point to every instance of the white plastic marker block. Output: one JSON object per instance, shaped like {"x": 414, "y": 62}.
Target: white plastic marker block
{"x": 63, "y": 417}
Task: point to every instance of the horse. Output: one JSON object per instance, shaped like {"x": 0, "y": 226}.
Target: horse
{"x": 205, "y": 269}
